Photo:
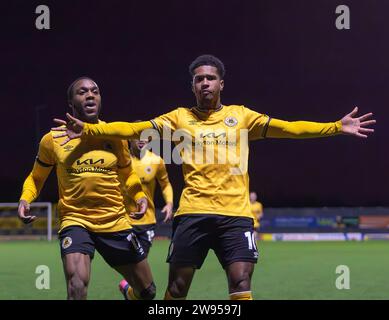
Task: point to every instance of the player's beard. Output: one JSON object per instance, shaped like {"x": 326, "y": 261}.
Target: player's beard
{"x": 209, "y": 102}
{"x": 80, "y": 113}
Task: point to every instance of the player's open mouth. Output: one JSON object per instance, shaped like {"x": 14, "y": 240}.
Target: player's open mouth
{"x": 90, "y": 107}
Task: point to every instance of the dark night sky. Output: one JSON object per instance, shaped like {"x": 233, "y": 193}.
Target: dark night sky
{"x": 283, "y": 58}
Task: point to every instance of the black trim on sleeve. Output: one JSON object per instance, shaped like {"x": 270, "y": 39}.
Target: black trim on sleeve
{"x": 43, "y": 164}
{"x": 265, "y": 128}
{"x": 154, "y": 125}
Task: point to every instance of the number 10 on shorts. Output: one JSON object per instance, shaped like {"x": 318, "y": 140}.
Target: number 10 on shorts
{"x": 251, "y": 240}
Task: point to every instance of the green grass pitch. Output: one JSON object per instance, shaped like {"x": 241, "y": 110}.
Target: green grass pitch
{"x": 286, "y": 270}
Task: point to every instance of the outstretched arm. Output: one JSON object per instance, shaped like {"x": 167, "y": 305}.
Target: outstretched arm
{"x": 75, "y": 128}
{"x": 31, "y": 189}
{"x": 349, "y": 124}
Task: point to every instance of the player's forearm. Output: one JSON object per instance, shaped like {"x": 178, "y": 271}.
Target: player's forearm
{"x": 122, "y": 130}
{"x": 30, "y": 190}
{"x": 167, "y": 193}
{"x": 134, "y": 187}
{"x": 33, "y": 184}
{"x": 302, "y": 129}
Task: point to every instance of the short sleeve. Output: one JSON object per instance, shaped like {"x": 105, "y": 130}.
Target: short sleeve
{"x": 46, "y": 155}
{"x": 168, "y": 120}
{"x": 256, "y": 123}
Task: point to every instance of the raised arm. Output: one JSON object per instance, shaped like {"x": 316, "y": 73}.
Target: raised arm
{"x": 349, "y": 124}
{"x": 75, "y": 128}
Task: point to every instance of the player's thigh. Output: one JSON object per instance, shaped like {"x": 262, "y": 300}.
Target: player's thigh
{"x": 77, "y": 266}
{"x": 119, "y": 248}
{"x": 234, "y": 241}
{"x": 190, "y": 242}
{"x": 77, "y": 251}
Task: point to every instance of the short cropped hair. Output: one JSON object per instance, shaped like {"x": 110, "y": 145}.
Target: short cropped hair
{"x": 208, "y": 60}
{"x": 70, "y": 89}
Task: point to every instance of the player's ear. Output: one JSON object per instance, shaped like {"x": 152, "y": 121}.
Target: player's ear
{"x": 221, "y": 85}
{"x": 192, "y": 86}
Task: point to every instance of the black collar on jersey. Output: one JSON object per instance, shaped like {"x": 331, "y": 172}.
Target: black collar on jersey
{"x": 208, "y": 110}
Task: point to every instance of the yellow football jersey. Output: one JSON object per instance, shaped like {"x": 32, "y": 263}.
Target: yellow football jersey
{"x": 214, "y": 188}
{"x": 149, "y": 169}
{"x": 218, "y": 185}
{"x": 88, "y": 173}
{"x": 256, "y": 211}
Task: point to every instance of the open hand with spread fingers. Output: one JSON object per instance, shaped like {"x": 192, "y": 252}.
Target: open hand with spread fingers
{"x": 72, "y": 129}
{"x": 357, "y": 126}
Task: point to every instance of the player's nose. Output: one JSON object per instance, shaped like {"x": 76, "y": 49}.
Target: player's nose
{"x": 205, "y": 83}
{"x": 90, "y": 95}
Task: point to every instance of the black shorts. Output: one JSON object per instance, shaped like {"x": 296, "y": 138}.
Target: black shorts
{"x": 145, "y": 235}
{"x": 231, "y": 238}
{"x": 117, "y": 248}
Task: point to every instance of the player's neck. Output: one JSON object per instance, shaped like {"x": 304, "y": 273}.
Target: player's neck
{"x": 94, "y": 121}
{"x": 209, "y": 107}
{"x": 81, "y": 117}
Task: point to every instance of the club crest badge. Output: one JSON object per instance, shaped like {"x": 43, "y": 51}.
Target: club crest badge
{"x": 67, "y": 242}
{"x": 231, "y": 121}
{"x": 68, "y": 148}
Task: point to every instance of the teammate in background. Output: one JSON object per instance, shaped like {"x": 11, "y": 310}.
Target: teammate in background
{"x": 92, "y": 213}
{"x": 256, "y": 211}
{"x": 214, "y": 211}
{"x": 149, "y": 168}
